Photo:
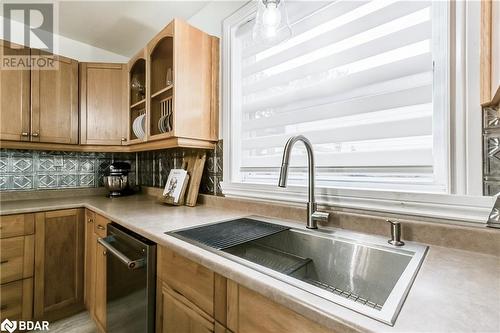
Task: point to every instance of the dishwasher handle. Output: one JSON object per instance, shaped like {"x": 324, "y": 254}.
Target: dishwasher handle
{"x": 131, "y": 264}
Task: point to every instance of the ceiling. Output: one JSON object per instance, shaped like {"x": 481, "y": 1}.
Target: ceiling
{"x": 122, "y": 27}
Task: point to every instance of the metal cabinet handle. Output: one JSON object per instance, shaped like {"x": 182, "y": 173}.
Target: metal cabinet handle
{"x": 4, "y": 262}
{"x": 124, "y": 139}
{"x": 131, "y": 264}
{"x": 25, "y": 134}
{"x": 35, "y": 134}
{"x": 100, "y": 227}
{"x": 89, "y": 220}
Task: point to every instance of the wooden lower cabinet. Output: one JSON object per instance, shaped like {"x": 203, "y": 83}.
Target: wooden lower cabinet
{"x": 184, "y": 296}
{"x": 180, "y": 315}
{"x": 90, "y": 259}
{"x": 249, "y": 311}
{"x": 16, "y": 266}
{"x": 95, "y": 268}
{"x": 58, "y": 279}
{"x": 100, "y": 289}
{"x": 17, "y": 300}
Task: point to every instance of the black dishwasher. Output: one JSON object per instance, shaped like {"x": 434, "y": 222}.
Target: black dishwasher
{"x": 130, "y": 281}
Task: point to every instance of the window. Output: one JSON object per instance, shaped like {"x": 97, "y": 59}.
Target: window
{"x": 361, "y": 80}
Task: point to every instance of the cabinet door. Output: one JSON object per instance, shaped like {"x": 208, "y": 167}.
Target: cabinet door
{"x": 90, "y": 260}
{"x": 103, "y": 104}
{"x": 14, "y": 98}
{"x": 180, "y": 315}
{"x": 100, "y": 288}
{"x": 54, "y": 102}
{"x": 59, "y": 246}
{"x": 250, "y": 312}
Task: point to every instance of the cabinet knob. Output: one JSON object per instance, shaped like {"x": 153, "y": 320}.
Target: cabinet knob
{"x": 89, "y": 220}
{"x": 24, "y": 134}
{"x": 124, "y": 139}
{"x": 100, "y": 227}
{"x": 35, "y": 134}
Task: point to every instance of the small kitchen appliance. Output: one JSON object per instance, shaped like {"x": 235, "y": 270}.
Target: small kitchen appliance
{"x": 116, "y": 179}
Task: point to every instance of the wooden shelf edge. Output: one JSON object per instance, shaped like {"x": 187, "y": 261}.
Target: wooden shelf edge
{"x": 142, "y": 146}
{"x": 494, "y": 101}
{"x": 159, "y": 92}
{"x": 142, "y": 101}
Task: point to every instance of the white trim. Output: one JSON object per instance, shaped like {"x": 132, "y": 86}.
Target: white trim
{"x": 440, "y": 206}
{"x": 456, "y": 178}
{"x": 441, "y": 93}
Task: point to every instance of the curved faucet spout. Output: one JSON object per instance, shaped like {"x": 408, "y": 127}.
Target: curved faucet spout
{"x": 312, "y": 214}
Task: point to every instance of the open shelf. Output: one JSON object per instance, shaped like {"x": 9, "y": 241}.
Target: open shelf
{"x": 136, "y": 105}
{"x": 162, "y": 61}
{"x": 161, "y": 104}
{"x": 158, "y": 93}
{"x": 137, "y": 82}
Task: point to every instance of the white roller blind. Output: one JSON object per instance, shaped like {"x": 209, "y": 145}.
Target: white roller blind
{"x": 356, "y": 78}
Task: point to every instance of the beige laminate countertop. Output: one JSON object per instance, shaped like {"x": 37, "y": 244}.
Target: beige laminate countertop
{"x": 455, "y": 290}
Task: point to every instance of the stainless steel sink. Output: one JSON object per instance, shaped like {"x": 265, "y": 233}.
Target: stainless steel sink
{"x": 361, "y": 272}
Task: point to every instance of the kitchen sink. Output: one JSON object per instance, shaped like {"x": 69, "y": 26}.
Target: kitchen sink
{"x": 361, "y": 272}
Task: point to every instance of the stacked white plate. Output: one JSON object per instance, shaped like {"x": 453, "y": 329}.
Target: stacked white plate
{"x": 138, "y": 126}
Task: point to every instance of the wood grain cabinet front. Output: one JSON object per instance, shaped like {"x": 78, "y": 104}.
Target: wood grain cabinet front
{"x": 17, "y": 300}
{"x": 95, "y": 268}
{"x": 100, "y": 288}
{"x": 59, "y": 246}
{"x": 103, "y": 104}
{"x": 14, "y": 97}
{"x": 191, "y": 298}
{"x": 54, "y": 101}
{"x": 39, "y": 105}
{"x": 180, "y": 315}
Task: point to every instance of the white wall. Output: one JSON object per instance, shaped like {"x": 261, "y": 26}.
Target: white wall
{"x": 210, "y": 17}
{"x": 67, "y": 47}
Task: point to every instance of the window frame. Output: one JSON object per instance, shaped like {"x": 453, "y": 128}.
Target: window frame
{"x": 439, "y": 204}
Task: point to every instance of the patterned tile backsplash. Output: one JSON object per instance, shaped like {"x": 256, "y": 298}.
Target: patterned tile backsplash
{"x": 24, "y": 170}
{"x": 154, "y": 167}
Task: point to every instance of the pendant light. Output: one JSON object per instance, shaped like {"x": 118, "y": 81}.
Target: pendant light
{"x": 271, "y": 23}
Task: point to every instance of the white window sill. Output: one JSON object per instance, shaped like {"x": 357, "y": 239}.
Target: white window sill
{"x": 474, "y": 209}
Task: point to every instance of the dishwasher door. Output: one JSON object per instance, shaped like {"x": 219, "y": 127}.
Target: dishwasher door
{"x": 130, "y": 281}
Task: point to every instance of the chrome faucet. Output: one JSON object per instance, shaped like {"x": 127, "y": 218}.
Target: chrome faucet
{"x": 313, "y": 216}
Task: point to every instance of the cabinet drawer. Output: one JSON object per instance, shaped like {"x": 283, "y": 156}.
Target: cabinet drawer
{"x": 180, "y": 315}
{"x": 17, "y": 300}
{"x": 100, "y": 225}
{"x": 191, "y": 280}
{"x": 16, "y": 225}
{"x": 16, "y": 258}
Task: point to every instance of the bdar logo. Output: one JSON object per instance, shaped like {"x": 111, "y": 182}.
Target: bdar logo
{"x": 8, "y": 325}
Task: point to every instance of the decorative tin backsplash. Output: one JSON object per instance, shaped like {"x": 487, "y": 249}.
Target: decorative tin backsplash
{"x": 491, "y": 146}
{"x": 24, "y": 170}
{"x": 154, "y": 167}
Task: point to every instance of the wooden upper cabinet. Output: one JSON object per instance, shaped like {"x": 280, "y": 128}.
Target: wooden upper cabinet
{"x": 59, "y": 255}
{"x": 14, "y": 98}
{"x": 191, "y": 95}
{"x": 137, "y": 91}
{"x": 103, "y": 104}
{"x": 490, "y": 53}
{"x": 54, "y": 102}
